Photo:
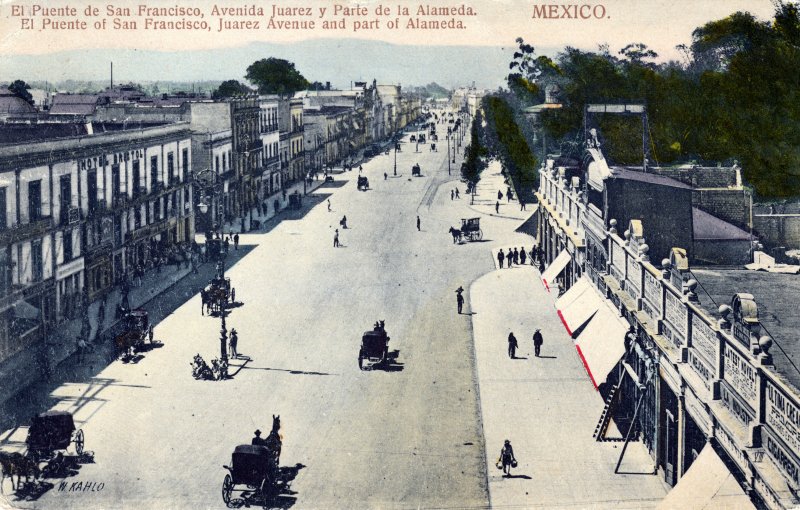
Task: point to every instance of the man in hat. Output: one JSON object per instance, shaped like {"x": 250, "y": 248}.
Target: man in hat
{"x": 234, "y": 341}
{"x": 537, "y": 341}
{"x": 257, "y": 439}
{"x": 460, "y": 299}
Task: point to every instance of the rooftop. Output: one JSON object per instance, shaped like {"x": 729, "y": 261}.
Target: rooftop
{"x": 710, "y": 228}
{"x": 28, "y": 133}
{"x": 778, "y": 315}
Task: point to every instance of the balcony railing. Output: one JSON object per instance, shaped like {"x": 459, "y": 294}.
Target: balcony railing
{"x": 26, "y": 231}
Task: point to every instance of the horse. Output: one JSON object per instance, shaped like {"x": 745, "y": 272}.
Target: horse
{"x": 456, "y": 233}
{"x": 20, "y": 465}
{"x": 274, "y": 440}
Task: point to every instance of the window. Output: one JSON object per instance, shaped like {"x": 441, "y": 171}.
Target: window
{"x": 65, "y": 202}
{"x": 91, "y": 180}
{"x": 185, "y": 159}
{"x": 216, "y": 159}
{"x": 116, "y": 185}
{"x": 136, "y": 178}
{"x": 35, "y": 201}
{"x": 170, "y": 168}
{"x": 36, "y": 261}
{"x": 3, "y": 218}
{"x": 67, "y": 245}
{"x": 154, "y": 172}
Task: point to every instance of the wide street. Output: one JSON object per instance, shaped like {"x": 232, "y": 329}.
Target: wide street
{"x": 407, "y": 436}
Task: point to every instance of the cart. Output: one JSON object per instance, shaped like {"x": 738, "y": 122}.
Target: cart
{"x": 471, "y": 229}
{"x": 416, "y": 171}
{"x": 135, "y": 329}
{"x": 219, "y": 293}
{"x": 363, "y": 183}
{"x": 254, "y": 466}
{"x": 374, "y": 347}
{"x": 51, "y": 431}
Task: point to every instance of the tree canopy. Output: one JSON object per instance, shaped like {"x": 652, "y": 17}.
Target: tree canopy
{"x": 736, "y": 96}
{"x": 276, "y": 76}
{"x": 231, "y": 88}
{"x": 20, "y": 89}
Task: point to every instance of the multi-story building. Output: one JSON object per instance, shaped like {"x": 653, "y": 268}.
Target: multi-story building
{"x": 270, "y": 181}
{"x": 296, "y": 143}
{"x": 80, "y": 206}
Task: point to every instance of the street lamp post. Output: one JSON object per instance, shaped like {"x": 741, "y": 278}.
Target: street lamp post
{"x": 448, "y": 151}
{"x": 395, "y": 157}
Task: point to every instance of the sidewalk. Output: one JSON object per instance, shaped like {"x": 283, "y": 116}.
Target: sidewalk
{"x": 547, "y": 407}
{"x": 491, "y": 182}
{"x": 235, "y": 225}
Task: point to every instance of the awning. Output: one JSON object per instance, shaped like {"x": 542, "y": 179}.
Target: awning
{"x": 578, "y": 304}
{"x": 708, "y": 484}
{"x": 555, "y": 268}
{"x": 25, "y": 310}
{"x": 601, "y": 344}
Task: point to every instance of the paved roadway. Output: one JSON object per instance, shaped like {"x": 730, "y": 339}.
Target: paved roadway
{"x": 406, "y": 437}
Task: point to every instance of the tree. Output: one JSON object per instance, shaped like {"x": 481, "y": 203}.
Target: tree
{"x": 231, "y": 88}
{"x": 276, "y": 76}
{"x": 20, "y": 89}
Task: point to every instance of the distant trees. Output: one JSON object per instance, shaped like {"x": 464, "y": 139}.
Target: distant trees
{"x": 736, "y": 95}
{"x": 276, "y": 76}
{"x": 20, "y": 89}
{"x": 231, "y": 88}
{"x": 506, "y": 140}
{"x": 474, "y": 152}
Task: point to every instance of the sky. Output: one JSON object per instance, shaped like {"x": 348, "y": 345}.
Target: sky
{"x": 479, "y": 52}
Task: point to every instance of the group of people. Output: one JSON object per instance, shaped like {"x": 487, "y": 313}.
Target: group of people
{"x": 454, "y": 194}
{"x": 513, "y": 345}
{"x": 514, "y": 257}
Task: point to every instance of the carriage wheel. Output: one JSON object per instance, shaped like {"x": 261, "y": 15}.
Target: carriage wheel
{"x": 480, "y": 234}
{"x": 361, "y": 362}
{"x": 79, "y": 442}
{"x": 227, "y": 489}
{"x": 264, "y": 489}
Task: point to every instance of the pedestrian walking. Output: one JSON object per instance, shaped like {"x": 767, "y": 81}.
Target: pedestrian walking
{"x": 522, "y": 256}
{"x": 329, "y": 205}
{"x": 508, "y": 193}
{"x": 452, "y": 194}
{"x": 497, "y": 207}
{"x": 507, "y": 459}
{"x": 203, "y": 301}
{"x": 226, "y": 244}
{"x": 500, "y": 257}
{"x": 499, "y": 195}
{"x": 541, "y": 265}
{"x": 418, "y": 224}
{"x": 236, "y": 242}
{"x": 521, "y": 204}
{"x": 385, "y": 176}
{"x": 510, "y": 258}
{"x": 457, "y": 197}
{"x": 336, "y": 239}
{"x": 516, "y": 257}
{"x": 512, "y": 346}
{"x": 460, "y": 299}
{"x": 538, "y": 340}
{"x": 234, "y": 341}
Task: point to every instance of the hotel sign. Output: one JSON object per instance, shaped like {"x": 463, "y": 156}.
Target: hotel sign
{"x": 741, "y": 375}
{"x": 675, "y": 313}
{"x": 728, "y": 443}
{"x": 783, "y": 416}
{"x": 704, "y": 339}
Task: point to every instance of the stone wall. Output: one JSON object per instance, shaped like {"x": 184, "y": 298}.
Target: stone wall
{"x": 778, "y": 229}
{"x": 731, "y": 205}
{"x": 699, "y": 177}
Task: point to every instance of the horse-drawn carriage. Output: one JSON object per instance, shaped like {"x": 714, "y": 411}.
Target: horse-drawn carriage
{"x": 135, "y": 330}
{"x": 363, "y": 183}
{"x": 470, "y": 230}
{"x": 52, "y": 431}
{"x": 416, "y": 171}
{"x": 255, "y": 467}
{"x": 219, "y": 294}
{"x": 374, "y": 347}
